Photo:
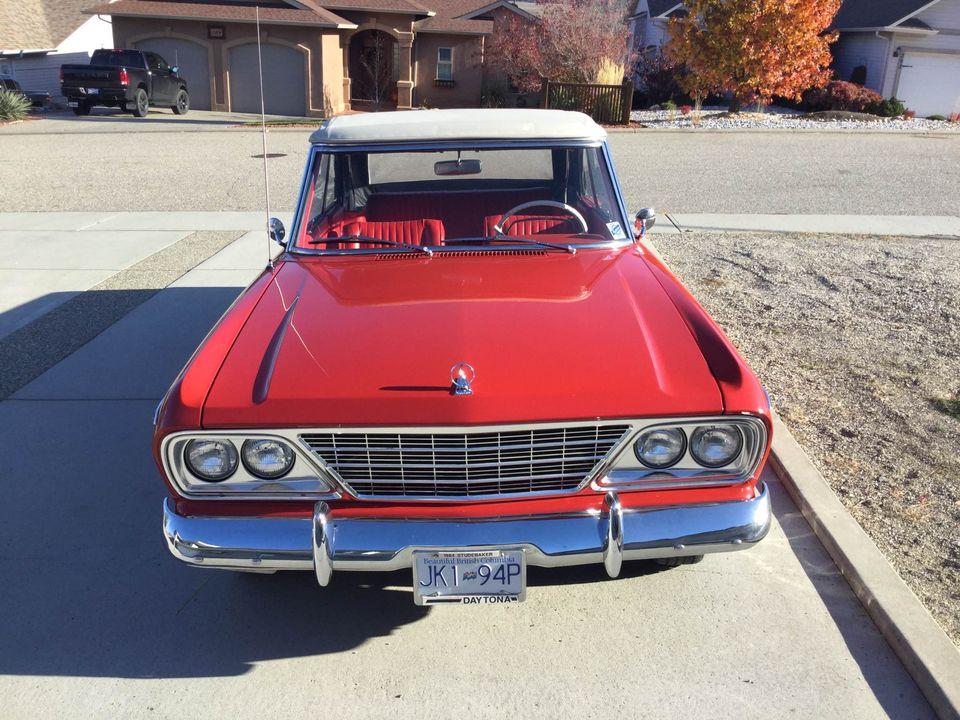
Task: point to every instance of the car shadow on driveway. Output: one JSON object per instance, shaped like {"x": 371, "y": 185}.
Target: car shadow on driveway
{"x": 864, "y": 642}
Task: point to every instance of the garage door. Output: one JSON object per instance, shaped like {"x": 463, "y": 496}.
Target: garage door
{"x": 284, "y": 80}
{"x": 930, "y": 84}
{"x": 194, "y": 62}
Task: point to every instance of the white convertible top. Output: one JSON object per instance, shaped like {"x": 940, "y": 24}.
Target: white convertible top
{"x": 430, "y": 125}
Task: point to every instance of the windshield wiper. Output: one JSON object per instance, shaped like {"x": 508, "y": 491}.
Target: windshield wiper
{"x": 513, "y": 238}
{"x": 426, "y": 249}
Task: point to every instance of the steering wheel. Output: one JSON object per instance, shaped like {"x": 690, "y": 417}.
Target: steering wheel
{"x": 571, "y": 211}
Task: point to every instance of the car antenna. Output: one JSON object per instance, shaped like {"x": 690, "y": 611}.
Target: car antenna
{"x": 263, "y": 140}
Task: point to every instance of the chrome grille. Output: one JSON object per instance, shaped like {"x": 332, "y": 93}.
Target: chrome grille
{"x": 465, "y": 464}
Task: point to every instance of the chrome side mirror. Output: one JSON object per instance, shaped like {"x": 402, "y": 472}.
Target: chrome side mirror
{"x": 645, "y": 220}
{"x": 277, "y": 231}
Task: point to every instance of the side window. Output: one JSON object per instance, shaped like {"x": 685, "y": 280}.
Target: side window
{"x": 324, "y": 193}
{"x": 599, "y": 183}
{"x": 156, "y": 62}
{"x": 444, "y": 63}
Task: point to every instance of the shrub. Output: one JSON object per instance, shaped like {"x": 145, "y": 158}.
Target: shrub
{"x": 13, "y": 105}
{"x": 955, "y": 117}
{"x": 609, "y": 73}
{"x": 686, "y": 109}
{"x": 889, "y": 108}
{"x": 910, "y": 114}
{"x": 941, "y": 118}
{"x": 840, "y": 95}
{"x": 658, "y": 78}
{"x": 669, "y": 105}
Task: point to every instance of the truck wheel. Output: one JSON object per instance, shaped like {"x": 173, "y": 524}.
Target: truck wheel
{"x": 82, "y": 109}
{"x": 677, "y": 561}
{"x": 141, "y": 103}
{"x": 182, "y": 104}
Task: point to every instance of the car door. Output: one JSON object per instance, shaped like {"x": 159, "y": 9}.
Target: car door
{"x": 162, "y": 81}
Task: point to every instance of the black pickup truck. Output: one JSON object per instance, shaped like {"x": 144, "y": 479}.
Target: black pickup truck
{"x": 132, "y": 80}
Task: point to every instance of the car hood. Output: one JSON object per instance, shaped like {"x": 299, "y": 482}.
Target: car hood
{"x": 371, "y": 340}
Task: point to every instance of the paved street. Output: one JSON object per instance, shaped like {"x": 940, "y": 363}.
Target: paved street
{"x": 208, "y": 162}
{"x": 100, "y": 621}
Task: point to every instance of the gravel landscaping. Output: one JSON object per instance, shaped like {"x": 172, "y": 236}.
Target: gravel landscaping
{"x": 858, "y": 341}
{"x": 717, "y": 118}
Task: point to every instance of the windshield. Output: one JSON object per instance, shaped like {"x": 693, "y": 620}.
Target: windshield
{"x": 450, "y": 199}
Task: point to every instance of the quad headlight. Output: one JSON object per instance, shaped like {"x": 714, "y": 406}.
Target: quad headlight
{"x": 237, "y": 464}
{"x": 267, "y": 458}
{"x": 715, "y": 446}
{"x": 660, "y": 448}
{"x": 211, "y": 460}
{"x": 694, "y": 451}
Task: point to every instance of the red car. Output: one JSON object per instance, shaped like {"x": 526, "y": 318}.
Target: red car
{"x": 465, "y": 362}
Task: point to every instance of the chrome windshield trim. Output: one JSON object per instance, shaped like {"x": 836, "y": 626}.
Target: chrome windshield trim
{"x": 460, "y": 249}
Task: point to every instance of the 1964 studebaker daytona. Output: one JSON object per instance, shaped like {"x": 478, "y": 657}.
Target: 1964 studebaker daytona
{"x": 465, "y": 362}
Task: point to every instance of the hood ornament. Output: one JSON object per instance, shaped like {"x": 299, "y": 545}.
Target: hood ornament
{"x": 461, "y": 377}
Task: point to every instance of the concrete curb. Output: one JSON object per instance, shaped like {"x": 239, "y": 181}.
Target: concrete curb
{"x": 921, "y": 644}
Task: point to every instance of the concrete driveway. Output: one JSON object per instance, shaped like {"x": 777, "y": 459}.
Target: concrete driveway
{"x": 99, "y": 621}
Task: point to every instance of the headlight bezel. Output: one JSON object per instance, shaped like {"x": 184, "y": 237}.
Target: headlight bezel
{"x": 305, "y": 480}
{"x": 626, "y": 472}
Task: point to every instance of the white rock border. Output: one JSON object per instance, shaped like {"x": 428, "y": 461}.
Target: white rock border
{"x": 777, "y": 118}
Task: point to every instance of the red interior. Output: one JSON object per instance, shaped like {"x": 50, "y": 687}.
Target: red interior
{"x": 431, "y": 218}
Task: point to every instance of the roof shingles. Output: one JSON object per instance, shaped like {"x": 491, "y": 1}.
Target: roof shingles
{"x": 875, "y": 13}
{"x": 214, "y": 11}
{"x": 39, "y": 24}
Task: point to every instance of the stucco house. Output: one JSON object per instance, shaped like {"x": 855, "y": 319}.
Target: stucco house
{"x": 38, "y": 36}
{"x": 319, "y": 56}
{"x": 908, "y": 49}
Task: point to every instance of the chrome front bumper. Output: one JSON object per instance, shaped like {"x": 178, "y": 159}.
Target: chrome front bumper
{"x": 326, "y": 542}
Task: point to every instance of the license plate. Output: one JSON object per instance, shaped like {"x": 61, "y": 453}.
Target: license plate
{"x": 93, "y": 91}
{"x": 481, "y": 577}
{"x": 73, "y": 103}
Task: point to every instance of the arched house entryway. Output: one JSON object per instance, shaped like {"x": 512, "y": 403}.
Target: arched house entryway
{"x": 378, "y": 67}
{"x": 286, "y": 77}
{"x": 374, "y": 70}
{"x": 194, "y": 57}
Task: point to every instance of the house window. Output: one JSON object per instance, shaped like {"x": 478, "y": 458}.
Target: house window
{"x": 444, "y": 63}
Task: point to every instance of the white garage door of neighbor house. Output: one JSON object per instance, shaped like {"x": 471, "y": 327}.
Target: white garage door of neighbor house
{"x": 284, "y": 80}
{"x": 194, "y": 62}
{"x": 930, "y": 83}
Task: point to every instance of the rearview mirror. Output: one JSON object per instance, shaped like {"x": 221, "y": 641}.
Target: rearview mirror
{"x": 645, "y": 220}
{"x": 277, "y": 231}
{"x": 457, "y": 167}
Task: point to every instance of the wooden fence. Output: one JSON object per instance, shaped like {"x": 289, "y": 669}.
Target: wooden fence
{"x": 607, "y": 104}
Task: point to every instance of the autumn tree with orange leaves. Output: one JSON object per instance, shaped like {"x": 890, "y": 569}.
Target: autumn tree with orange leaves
{"x": 753, "y": 49}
